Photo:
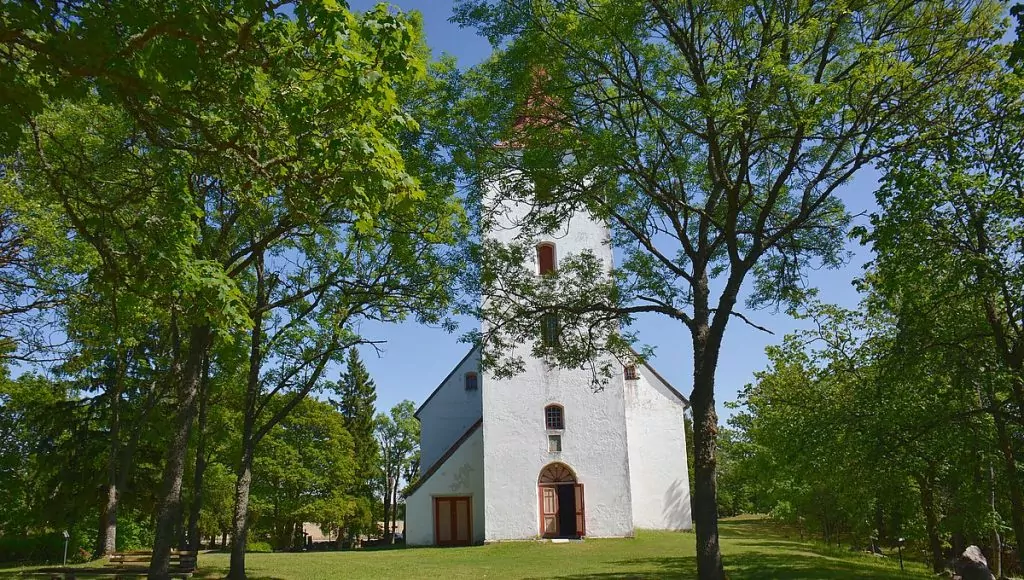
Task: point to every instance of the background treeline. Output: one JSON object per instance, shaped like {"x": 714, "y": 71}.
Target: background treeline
{"x": 904, "y": 418}
{"x": 322, "y": 464}
{"x": 201, "y": 207}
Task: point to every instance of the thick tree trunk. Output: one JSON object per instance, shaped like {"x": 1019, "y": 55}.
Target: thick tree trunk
{"x": 706, "y": 332}
{"x": 705, "y": 504}
{"x": 169, "y": 510}
{"x": 240, "y": 528}
{"x": 931, "y": 521}
{"x": 108, "y": 525}
{"x": 194, "y": 541}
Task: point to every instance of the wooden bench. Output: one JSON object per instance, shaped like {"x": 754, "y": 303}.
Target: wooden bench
{"x": 129, "y": 565}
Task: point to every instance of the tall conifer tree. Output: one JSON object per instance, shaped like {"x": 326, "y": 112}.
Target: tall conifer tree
{"x": 358, "y": 397}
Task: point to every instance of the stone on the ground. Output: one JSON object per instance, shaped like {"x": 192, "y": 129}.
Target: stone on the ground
{"x": 972, "y": 565}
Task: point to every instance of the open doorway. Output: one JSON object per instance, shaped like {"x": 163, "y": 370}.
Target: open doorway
{"x": 562, "y": 513}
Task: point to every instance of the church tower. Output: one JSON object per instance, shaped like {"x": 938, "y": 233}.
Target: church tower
{"x": 549, "y": 439}
{"x": 543, "y": 453}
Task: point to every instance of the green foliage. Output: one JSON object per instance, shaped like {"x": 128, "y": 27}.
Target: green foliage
{"x": 48, "y": 548}
{"x": 172, "y": 173}
{"x": 302, "y": 470}
{"x": 218, "y": 500}
{"x": 711, "y": 138}
{"x": 861, "y": 430}
{"x": 255, "y": 546}
{"x": 1017, "y": 53}
{"x": 398, "y": 434}
{"x": 358, "y": 394}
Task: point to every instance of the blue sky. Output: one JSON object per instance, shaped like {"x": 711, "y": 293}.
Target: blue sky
{"x": 416, "y": 358}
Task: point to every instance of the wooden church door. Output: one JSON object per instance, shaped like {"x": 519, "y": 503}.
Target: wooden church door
{"x": 581, "y": 529}
{"x": 548, "y": 511}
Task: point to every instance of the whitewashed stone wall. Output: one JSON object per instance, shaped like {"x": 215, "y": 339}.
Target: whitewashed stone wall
{"x": 462, "y": 474}
{"x": 657, "y": 454}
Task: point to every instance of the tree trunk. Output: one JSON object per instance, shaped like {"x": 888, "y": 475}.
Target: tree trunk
{"x": 180, "y": 527}
{"x": 194, "y": 541}
{"x": 931, "y": 521}
{"x": 394, "y": 513}
{"x": 387, "y": 506}
{"x": 108, "y": 526}
{"x": 997, "y": 542}
{"x": 240, "y": 524}
{"x": 880, "y": 535}
{"x": 240, "y": 528}
{"x": 705, "y": 504}
{"x": 169, "y": 510}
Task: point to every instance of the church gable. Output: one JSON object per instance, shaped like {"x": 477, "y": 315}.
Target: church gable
{"x": 659, "y": 384}
{"x": 450, "y": 410}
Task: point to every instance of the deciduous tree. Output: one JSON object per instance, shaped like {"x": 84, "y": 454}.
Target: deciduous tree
{"x": 712, "y": 137}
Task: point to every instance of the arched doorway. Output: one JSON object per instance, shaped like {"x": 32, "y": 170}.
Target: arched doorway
{"x": 561, "y": 502}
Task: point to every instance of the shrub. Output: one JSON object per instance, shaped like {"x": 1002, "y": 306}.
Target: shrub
{"x": 256, "y": 546}
{"x": 44, "y": 548}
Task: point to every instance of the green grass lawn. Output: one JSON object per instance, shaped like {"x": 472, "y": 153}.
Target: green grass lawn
{"x": 753, "y": 549}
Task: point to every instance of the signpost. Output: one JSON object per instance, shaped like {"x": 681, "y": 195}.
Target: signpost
{"x": 67, "y": 537}
{"x": 899, "y": 547}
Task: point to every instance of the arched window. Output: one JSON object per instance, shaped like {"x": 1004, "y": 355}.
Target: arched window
{"x": 549, "y": 329}
{"x": 631, "y": 374}
{"x": 546, "y": 258}
{"x": 554, "y": 417}
{"x": 472, "y": 382}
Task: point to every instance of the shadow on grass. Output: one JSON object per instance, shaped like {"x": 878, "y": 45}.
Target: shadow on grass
{"x": 756, "y": 549}
{"x": 742, "y": 567}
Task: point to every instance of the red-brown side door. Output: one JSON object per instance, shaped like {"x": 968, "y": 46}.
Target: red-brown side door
{"x": 453, "y": 521}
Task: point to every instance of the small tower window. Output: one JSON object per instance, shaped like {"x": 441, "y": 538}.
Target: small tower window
{"x": 472, "y": 382}
{"x": 554, "y": 417}
{"x": 631, "y": 373}
{"x": 546, "y": 258}
{"x": 543, "y": 189}
{"x": 549, "y": 329}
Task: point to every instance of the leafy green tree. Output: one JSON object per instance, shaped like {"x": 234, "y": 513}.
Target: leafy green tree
{"x": 712, "y": 138}
{"x": 398, "y": 434}
{"x": 948, "y": 233}
{"x": 218, "y": 502}
{"x": 863, "y": 427}
{"x": 240, "y": 140}
{"x": 298, "y": 470}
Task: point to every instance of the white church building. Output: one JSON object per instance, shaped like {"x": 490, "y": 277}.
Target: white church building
{"x": 542, "y": 454}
